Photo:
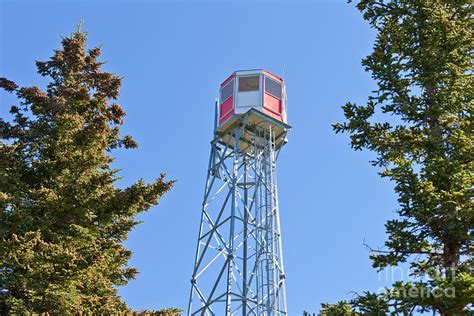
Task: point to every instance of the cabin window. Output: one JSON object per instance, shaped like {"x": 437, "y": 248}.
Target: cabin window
{"x": 272, "y": 87}
{"x": 249, "y": 83}
{"x": 227, "y": 91}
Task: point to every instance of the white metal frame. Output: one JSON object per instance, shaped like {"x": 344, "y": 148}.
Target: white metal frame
{"x": 238, "y": 267}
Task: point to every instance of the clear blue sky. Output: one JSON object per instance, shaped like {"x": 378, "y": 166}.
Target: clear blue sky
{"x": 173, "y": 56}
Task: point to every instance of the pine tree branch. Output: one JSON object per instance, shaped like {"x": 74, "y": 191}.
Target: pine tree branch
{"x": 419, "y": 252}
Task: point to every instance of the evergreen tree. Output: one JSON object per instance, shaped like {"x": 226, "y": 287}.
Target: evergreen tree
{"x": 418, "y": 123}
{"x": 62, "y": 220}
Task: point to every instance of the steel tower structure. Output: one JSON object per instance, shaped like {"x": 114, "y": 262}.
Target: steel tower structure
{"x": 238, "y": 267}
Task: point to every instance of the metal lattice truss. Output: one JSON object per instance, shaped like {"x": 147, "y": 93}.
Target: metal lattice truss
{"x": 238, "y": 267}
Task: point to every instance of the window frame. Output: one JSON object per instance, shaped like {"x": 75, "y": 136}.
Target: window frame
{"x": 249, "y": 76}
{"x": 231, "y": 83}
{"x": 277, "y": 82}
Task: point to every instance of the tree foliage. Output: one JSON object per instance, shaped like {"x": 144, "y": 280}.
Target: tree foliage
{"x": 418, "y": 123}
{"x": 340, "y": 308}
{"x": 63, "y": 220}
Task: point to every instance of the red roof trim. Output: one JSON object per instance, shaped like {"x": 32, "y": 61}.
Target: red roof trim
{"x": 227, "y": 80}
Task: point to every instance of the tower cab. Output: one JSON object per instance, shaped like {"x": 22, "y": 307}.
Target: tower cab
{"x": 255, "y": 90}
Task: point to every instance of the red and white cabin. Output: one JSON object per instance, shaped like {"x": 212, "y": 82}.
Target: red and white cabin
{"x": 252, "y": 89}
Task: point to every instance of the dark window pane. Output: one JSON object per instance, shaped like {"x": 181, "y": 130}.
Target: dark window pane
{"x": 273, "y": 87}
{"x": 227, "y": 91}
{"x": 248, "y": 83}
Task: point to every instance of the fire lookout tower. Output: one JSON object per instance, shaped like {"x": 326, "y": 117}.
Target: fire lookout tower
{"x": 238, "y": 267}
